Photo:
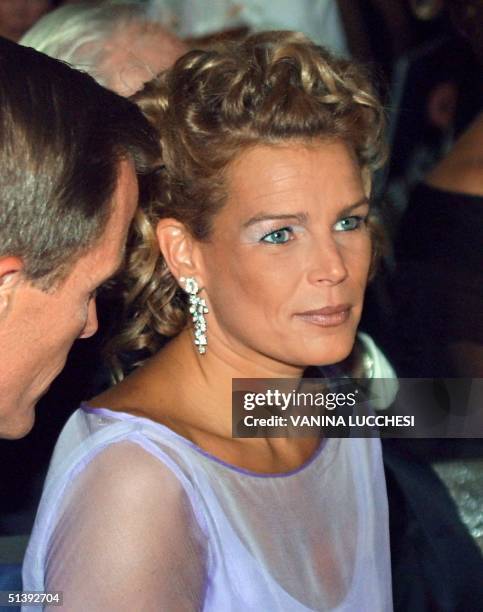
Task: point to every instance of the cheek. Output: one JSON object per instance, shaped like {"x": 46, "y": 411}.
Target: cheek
{"x": 357, "y": 255}
{"x": 366, "y": 259}
{"x": 248, "y": 285}
{"x": 74, "y": 317}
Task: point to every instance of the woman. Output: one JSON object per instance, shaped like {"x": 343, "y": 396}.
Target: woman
{"x": 261, "y": 226}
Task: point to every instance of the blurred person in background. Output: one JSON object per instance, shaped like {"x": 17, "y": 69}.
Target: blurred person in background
{"x": 201, "y": 21}
{"x": 438, "y": 285}
{"x": 17, "y": 16}
{"x": 436, "y": 331}
{"x": 69, "y": 153}
{"x": 120, "y": 45}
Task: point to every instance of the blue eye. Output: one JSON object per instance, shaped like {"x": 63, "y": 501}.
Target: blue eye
{"x": 280, "y": 236}
{"x": 348, "y": 224}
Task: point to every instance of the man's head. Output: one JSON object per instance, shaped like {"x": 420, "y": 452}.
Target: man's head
{"x": 121, "y": 46}
{"x": 69, "y": 154}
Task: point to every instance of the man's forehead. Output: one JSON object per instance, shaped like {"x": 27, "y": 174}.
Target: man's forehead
{"x": 126, "y": 191}
{"x": 123, "y": 205}
{"x": 107, "y": 255}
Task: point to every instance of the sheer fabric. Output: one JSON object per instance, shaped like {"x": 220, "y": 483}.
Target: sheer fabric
{"x": 135, "y": 517}
{"x": 120, "y": 538}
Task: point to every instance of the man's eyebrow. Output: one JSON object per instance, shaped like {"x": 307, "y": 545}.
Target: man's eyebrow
{"x": 300, "y": 217}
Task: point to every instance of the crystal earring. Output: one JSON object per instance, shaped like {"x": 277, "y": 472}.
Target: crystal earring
{"x": 198, "y": 309}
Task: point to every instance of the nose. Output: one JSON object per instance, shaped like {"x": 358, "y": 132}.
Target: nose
{"x": 92, "y": 324}
{"x": 328, "y": 265}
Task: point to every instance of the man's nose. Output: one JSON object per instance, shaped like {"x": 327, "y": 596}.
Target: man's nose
{"x": 92, "y": 324}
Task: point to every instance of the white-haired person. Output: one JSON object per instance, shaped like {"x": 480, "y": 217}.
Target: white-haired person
{"x": 253, "y": 259}
{"x": 120, "y": 45}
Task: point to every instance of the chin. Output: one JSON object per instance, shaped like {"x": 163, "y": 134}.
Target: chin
{"x": 18, "y": 425}
{"x": 333, "y": 351}
{"x": 322, "y": 345}
{"x": 332, "y": 359}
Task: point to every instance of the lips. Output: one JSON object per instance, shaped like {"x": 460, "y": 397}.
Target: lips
{"x": 330, "y": 316}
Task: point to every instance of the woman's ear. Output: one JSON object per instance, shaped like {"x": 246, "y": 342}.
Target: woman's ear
{"x": 177, "y": 246}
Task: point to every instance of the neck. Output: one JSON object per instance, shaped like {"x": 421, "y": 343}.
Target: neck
{"x": 200, "y": 386}
{"x": 224, "y": 361}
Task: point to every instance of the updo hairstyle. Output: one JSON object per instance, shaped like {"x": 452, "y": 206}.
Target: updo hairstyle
{"x": 271, "y": 88}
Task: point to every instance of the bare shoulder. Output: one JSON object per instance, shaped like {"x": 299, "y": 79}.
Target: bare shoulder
{"x": 150, "y": 392}
{"x": 459, "y": 176}
{"x": 130, "y": 395}
{"x": 461, "y": 170}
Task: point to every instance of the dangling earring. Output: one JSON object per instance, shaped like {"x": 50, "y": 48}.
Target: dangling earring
{"x": 198, "y": 309}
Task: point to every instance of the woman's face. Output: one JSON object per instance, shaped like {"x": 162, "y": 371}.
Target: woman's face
{"x": 285, "y": 269}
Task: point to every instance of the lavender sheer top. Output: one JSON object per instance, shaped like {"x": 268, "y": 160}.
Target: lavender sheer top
{"x": 135, "y": 517}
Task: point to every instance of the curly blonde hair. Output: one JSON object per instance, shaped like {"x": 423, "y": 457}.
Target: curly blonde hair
{"x": 269, "y": 88}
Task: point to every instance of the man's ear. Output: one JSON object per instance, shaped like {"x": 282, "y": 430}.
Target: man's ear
{"x": 11, "y": 269}
{"x": 178, "y": 248}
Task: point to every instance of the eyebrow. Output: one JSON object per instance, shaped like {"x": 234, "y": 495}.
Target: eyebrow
{"x": 364, "y": 201}
{"x": 300, "y": 217}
